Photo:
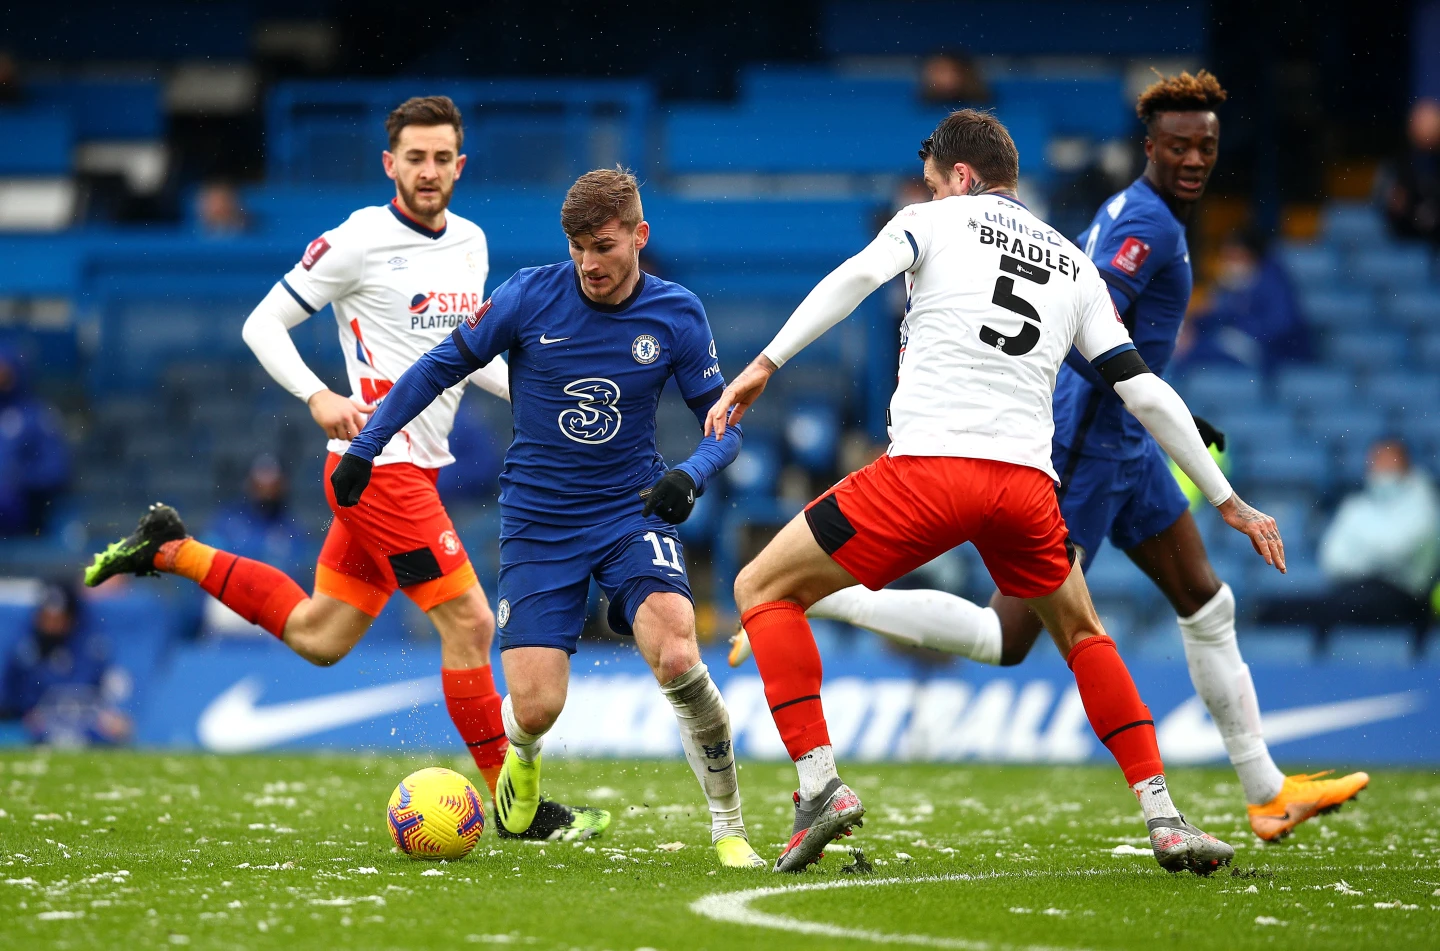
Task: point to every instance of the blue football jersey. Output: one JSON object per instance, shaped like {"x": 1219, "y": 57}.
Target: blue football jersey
{"x": 1139, "y": 246}
{"x": 585, "y": 381}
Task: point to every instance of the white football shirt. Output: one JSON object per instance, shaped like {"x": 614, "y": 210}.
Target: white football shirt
{"x": 398, "y": 289}
{"x": 995, "y": 300}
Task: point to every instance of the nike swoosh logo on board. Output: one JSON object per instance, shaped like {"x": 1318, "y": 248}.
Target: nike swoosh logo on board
{"x": 1187, "y": 735}
{"x": 545, "y": 339}
{"x": 234, "y": 723}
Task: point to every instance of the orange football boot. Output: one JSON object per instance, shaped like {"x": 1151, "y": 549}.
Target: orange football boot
{"x": 1303, "y": 797}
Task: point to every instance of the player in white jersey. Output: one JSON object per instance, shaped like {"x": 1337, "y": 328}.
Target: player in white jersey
{"x": 996, "y": 300}
{"x": 400, "y": 277}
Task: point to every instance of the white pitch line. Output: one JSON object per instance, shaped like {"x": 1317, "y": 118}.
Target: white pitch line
{"x": 734, "y": 908}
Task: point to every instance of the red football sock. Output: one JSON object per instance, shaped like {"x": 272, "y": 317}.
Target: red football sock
{"x": 789, "y": 664}
{"x": 257, "y": 592}
{"x": 475, "y": 710}
{"x": 1117, "y": 715}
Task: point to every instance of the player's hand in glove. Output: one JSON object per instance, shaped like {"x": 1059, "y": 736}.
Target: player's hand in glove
{"x": 1209, "y": 434}
{"x": 350, "y": 478}
{"x": 672, "y": 498}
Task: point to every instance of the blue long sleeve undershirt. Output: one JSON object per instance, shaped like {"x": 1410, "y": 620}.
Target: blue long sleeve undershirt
{"x": 417, "y": 388}
{"x": 711, "y": 455}
{"x": 446, "y": 365}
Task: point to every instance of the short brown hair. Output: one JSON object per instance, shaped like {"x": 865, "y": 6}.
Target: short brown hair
{"x": 598, "y": 196}
{"x": 1184, "y": 93}
{"x": 425, "y": 110}
{"x": 977, "y": 138}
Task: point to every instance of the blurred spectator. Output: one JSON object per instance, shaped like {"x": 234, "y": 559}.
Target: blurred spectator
{"x": 59, "y": 680}
{"x": 218, "y": 209}
{"x": 1381, "y": 552}
{"x": 949, "y": 79}
{"x": 1410, "y": 190}
{"x": 1253, "y": 317}
{"x": 34, "y": 456}
{"x": 12, "y": 92}
{"x": 260, "y": 525}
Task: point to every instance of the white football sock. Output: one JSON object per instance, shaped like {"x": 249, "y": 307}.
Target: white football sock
{"x": 705, "y": 734}
{"x": 816, "y": 769}
{"x": 918, "y": 617}
{"x": 1222, "y": 679}
{"x": 526, "y": 745}
{"x": 1155, "y": 798}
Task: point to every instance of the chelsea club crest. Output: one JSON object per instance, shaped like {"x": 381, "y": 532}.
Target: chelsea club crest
{"x": 645, "y": 349}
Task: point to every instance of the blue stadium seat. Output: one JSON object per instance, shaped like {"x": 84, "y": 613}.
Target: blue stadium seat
{"x": 1111, "y": 576}
{"x": 1368, "y": 349}
{"x": 1353, "y": 223}
{"x": 1400, "y": 267}
{"x": 1311, "y": 265}
{"x": 48, "y": 139}
{"x": 1371, "y": 646}
{"x": 1250, "y": 426}
{"x": 1338, "y": 307}
{"x": 1302, "y": 578}
{"x": 105, "y": 109}
{"x": 767, "y": 83}
{"x": 1277, "y": 645}
{"x": 1281, "y": 465}
{"x": 1315, "y": 388}
{"x": 1093, "y": 107}
{"x": 1215, "y": 389}
{"x": 756, "y": 470}
{"x": 1347, "y": 427}
{"x": 1418, "y": 309}
{"x": 793, "y": 139}
{"x": 812, "y": 434}
{"x": 1408, "y": 394}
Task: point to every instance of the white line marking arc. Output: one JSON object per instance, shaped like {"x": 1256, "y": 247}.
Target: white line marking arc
{"x": 734, "y": 908}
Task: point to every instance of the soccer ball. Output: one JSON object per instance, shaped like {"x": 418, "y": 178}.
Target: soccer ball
{"x": 435, "y": 813}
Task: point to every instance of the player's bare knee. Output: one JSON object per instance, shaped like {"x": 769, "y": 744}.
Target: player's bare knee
{"x": 536, "y": 711}
{"x": 748, "y": 588}
{"x": 676, "y": 656}
{"x": 318, "y": 650}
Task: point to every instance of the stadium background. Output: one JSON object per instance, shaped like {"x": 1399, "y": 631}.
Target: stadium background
{"x": 166, "y": 162}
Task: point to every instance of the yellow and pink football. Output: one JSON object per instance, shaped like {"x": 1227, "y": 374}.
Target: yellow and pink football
{"x": 435, "y": 813}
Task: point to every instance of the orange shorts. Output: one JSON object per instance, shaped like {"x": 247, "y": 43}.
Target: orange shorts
{"x": 899, "y": 512}
{"x": 399, "y": 536}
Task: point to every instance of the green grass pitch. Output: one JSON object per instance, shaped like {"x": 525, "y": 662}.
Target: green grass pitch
{"x": 149, "y": 850}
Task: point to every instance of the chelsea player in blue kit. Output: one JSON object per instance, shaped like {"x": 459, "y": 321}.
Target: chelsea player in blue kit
{"x": 1115, "y": 482}
{"x": 591, "y": 343}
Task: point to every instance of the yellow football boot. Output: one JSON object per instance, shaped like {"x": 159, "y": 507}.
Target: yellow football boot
{"x": 735, "y": 852}
{"x": 517, "y": 793}
{"x": 1303, "y": 797}
{"x": 739, "y": 647}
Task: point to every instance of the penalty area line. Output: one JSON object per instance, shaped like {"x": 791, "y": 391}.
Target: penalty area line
{"x": 734, "y": 908}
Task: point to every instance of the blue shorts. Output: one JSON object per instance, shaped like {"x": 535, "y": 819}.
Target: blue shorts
{"x": 545, "y": 574}
{"x": 1125, "y": 500}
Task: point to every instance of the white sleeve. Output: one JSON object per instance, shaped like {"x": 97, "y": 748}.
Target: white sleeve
{"x": 332, "y": 266}
{"x": 1161, "y": 411}
{"x": 1100, "y": 329}
{"x": 493, "y": 377}
{"x": 894, "y": 250}
{"x": 267, "y": 332}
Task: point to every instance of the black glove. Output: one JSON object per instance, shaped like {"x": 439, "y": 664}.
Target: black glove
{"x": 350, "y": 478}
{"x": 1209, "y": 434}
{"x": 672, "y": 498}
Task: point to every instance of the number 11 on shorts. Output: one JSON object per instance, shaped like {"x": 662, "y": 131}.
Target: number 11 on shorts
{"x": 674, "y": 562}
